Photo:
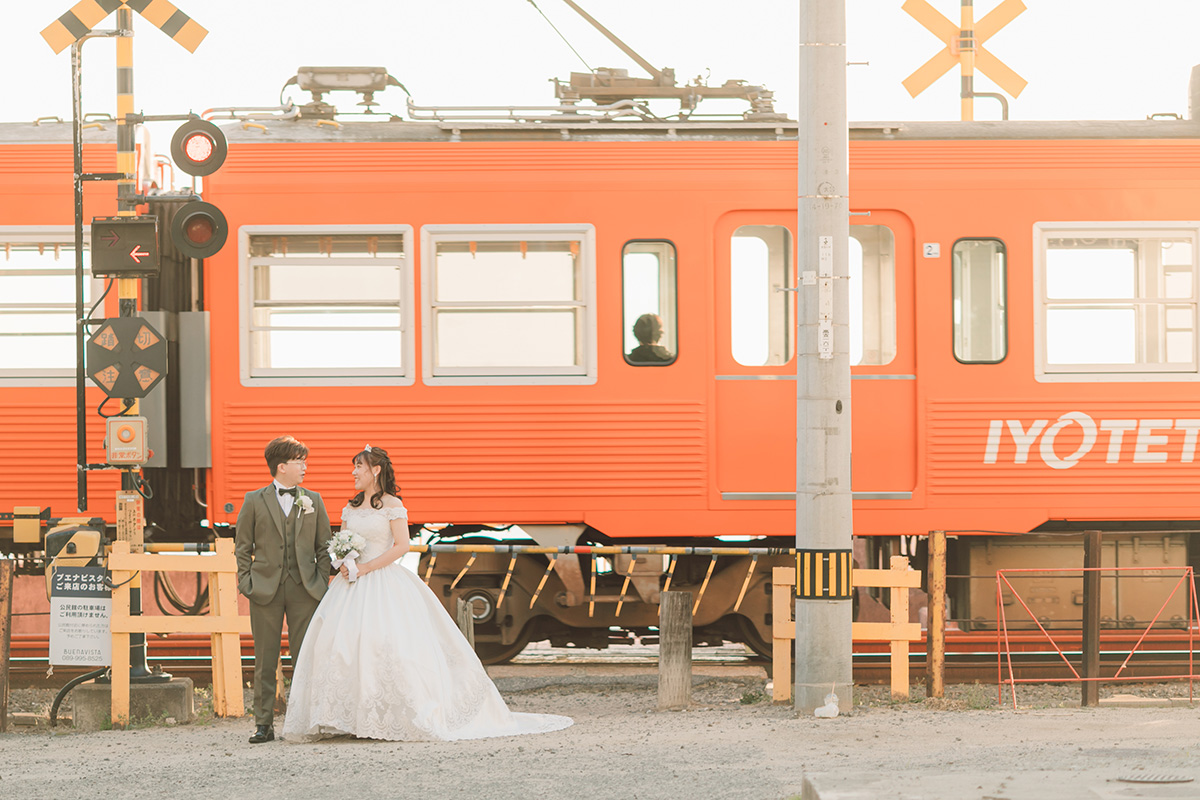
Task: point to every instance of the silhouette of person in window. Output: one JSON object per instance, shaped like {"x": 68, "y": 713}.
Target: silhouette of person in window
{"x": 648, "y": 330}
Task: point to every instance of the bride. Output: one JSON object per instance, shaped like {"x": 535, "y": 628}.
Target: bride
{"x": 382, "y": 659}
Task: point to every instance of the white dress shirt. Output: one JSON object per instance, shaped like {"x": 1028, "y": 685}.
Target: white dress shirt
{"x": 286, "y": 501}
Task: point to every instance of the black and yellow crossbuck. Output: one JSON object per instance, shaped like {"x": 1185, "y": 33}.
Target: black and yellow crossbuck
{"x": 87, "y": 14}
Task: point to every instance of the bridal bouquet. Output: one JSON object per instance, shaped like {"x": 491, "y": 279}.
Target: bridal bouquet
{"x": 344, "y": 548}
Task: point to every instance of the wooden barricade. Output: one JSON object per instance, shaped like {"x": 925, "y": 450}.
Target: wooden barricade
{"x": 899, "y": 631}
{"x": 222, "y": 621}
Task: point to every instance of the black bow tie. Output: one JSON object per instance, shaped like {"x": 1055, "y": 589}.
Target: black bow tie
{"x": 291, "y": 491}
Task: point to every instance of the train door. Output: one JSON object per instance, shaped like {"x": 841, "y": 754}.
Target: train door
{"x": 755, "y": 387}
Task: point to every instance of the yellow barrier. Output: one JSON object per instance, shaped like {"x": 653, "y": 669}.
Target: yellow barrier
{"x": 899, "y": 631}
{"x": 222, "y": 622}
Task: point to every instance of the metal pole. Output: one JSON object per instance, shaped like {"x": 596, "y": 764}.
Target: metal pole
{"x": 935, "y": 660}
{"x": 1091, "y": 620}
{"x": 80, "y": 333}
{"x": 823, "y": 512}
{"x": 8, "y": 569}
{"x": 127, "y": 302}
{"x": 966, "y": 44}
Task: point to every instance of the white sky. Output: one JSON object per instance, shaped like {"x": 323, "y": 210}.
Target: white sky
{"x": 1084, "y": 59}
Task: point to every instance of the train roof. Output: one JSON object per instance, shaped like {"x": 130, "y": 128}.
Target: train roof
{"x": 394, "y": 129}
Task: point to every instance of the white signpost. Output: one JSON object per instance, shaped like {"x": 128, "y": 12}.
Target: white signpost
{"x": 80, "y": 607}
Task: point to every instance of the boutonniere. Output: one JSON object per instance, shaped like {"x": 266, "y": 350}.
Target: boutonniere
{"x": 306, "y": 503}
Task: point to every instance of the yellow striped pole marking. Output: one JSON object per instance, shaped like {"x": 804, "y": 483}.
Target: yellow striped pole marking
{"x": 712, "y": 562}
{"x": 512, "y": 562}
{"x": 592, "y": 590}
{"x": 429, "y": 569}
{"x": 746, "y": 583}
{"x": 542, "y": 582}
{"x": 470, "y": 561}
{"x": 670, "y": 574}
{"x": 823, "y": 574}
{"x": 625, "y": 585}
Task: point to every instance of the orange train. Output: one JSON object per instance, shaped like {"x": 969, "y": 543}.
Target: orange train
{"x": 467, "y": 295}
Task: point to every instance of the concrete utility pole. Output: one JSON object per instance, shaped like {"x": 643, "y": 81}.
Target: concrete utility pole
{"x": 823, "y": 514}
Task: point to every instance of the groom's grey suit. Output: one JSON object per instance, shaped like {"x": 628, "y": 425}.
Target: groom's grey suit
{"x": 283, "y": 568}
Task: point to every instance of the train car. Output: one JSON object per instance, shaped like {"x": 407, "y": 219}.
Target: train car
{"x": 572, "y": 329}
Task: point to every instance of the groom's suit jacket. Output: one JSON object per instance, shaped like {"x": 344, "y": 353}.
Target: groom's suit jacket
{"x": 259, "y": 544}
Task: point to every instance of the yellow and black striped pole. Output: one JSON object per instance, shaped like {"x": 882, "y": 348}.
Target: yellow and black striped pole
{"x": 824, "y": 575}
{"x": 966, "y": 59}
{"x": 127, "y": 300}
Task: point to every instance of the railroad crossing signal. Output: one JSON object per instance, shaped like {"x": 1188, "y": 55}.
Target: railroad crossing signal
{"x": 964, "y": 46}
{"x": 126, "y": 357}
{"x": 87, "y": 14}
{"x": 125, "y": 247}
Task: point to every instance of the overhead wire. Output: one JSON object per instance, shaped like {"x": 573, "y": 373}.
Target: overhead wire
{"x": 564, "y": 38}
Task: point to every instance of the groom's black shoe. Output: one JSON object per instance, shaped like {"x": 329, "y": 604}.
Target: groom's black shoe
{"x": 263, "y": 733}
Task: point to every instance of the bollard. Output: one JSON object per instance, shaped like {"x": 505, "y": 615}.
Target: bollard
{"x": 7, "y": 570}
{"x": 466, "y": 622}
{"x": 674, "y": 650}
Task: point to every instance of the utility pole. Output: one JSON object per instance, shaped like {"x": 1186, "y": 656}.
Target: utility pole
{"x": 823, "y": 499}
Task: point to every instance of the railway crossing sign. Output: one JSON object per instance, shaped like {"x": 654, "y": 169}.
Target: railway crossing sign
{"x": 126, "y": 357}
{"x": 964, "y": 47}
{"x": 87, "y": 14}
{"x": 125, "y": 247}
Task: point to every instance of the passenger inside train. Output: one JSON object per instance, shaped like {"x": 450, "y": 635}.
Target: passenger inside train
{"x": 648, "y": 330}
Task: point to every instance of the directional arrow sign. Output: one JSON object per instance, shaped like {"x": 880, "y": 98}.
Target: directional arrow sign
{"x": 125, "y": 247}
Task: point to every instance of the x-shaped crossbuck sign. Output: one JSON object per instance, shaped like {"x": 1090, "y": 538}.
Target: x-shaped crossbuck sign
{"x": 961, "y": 44}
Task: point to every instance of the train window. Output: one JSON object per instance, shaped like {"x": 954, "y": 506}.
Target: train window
{"x": 762, "y": 318}
{"x": 979, "y": 300}
{"x": 1117, "y": 298}
{"x": 508, "y": 304}
{"x": 872, "y": 288}
{"x": 37, "y": 305}
{"x": 328, "y": 305}
{"x": 648, "y": 298}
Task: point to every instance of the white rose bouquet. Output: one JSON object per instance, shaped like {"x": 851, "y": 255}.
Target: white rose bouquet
{"x": 344, "y": 548}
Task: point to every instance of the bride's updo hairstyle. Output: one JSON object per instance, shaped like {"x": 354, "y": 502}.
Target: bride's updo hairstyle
{"x": 376, "y": 457}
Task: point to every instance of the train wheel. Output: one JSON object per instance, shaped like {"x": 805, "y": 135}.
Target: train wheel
{"x": 752, "y": 638}
{"x": 497, "y": 653}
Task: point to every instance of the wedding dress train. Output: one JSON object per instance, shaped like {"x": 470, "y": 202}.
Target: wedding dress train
{"x": 383, "y": 660}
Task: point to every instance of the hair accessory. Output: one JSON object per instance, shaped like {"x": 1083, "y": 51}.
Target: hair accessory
{"x": 367, "y": 448}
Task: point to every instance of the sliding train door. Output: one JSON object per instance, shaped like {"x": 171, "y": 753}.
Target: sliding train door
{"x": 755, "y": 354}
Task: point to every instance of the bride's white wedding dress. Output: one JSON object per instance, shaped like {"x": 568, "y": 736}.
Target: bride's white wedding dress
{"x": 383, "y": 660}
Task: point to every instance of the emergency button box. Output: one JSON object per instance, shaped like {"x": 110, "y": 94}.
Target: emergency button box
{"x": 125, "y": 440}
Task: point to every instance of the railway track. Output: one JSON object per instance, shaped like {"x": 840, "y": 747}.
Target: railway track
{"x": 969, "y": 659}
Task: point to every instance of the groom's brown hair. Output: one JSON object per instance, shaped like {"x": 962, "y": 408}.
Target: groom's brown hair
{"x": 281, "y": 449}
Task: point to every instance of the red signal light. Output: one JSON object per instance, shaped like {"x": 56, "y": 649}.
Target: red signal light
{"x": 199, "y": 229}
{"x": 198, "y": 147}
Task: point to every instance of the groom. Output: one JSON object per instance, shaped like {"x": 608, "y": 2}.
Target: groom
{"x": 283, "y": 567}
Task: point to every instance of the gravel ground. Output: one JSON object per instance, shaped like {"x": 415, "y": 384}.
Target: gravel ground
{"x": 732, "y": 743}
